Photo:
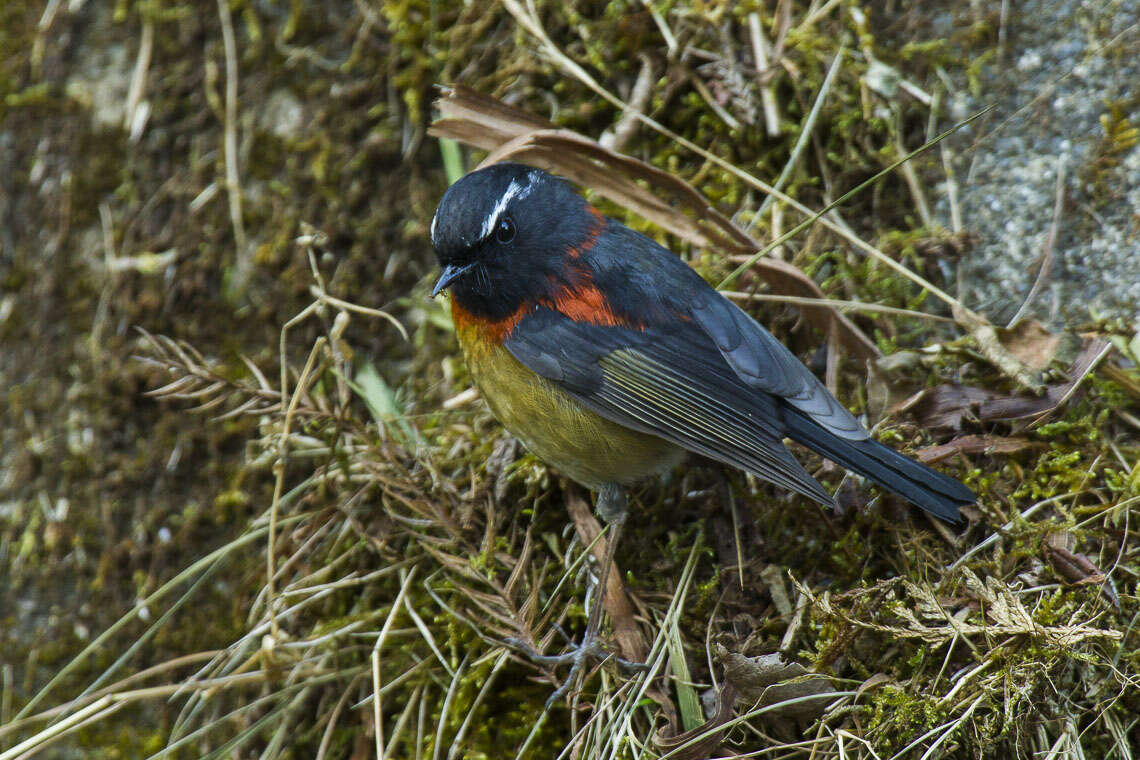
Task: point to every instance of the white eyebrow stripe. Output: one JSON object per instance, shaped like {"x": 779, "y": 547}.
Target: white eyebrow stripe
{"x": 514, "y": 190}
{"x": 434, "y": 219}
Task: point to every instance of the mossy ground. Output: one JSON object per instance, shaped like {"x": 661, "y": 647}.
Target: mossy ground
{"x": 107, "y": 494}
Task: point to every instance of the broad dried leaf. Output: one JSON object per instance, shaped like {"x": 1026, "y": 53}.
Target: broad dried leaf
{"x": 952, "y": 406}
{"x": 710, "y": 737}
{"x": 975, "y": 444}
{"x": 1031, "y": 343}
{"x": 631, "y": 643}
{"x": 990, "y": 344}
{"x": 1074, "y": 567}
{"x": 1080, "y": 570}
{"x": 771, "y": 679}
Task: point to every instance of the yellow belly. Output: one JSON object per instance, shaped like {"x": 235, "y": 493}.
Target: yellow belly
{"x": 581, "y": 444}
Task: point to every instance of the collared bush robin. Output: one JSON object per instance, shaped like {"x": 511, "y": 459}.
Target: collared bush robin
{"x": 609, "y": 357}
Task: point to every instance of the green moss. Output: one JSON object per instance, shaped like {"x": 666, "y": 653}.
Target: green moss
{"x": 906, "y": 714}
{"x": 1120, "y": 137}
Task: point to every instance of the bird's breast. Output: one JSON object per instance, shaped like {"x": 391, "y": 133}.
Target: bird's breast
{"x": 580, "y": 443}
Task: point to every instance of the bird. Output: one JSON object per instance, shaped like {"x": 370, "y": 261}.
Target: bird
{"x": 609, "y": 358}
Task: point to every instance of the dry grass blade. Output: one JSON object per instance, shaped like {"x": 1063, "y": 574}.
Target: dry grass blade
{"x": 836, "y": 304}
{"x": 196, "y": 379}
{"x": 149, "y": 602}
{"x": 671, "y": 203}
{"x": 805, "y": 129}
{"x": 1045, "y": 262}
{"x": 97, "y": 710}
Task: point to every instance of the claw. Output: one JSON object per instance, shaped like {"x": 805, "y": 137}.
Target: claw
{"x": 589, "y": 650}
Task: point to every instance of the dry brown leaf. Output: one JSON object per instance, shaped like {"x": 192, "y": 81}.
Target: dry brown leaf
{"x": 1031, "y": 343}
{"x": 996, "y": 353}
{"x": 667, "y": 201}
{"x": 951, "y": 406}
{"x": 974, "y": 444}
{"x": 1091, "y": 355}
{"x": 874, "y": 682}
{"x": 1078, "y": 569}
{"x": 631, "y": 643}
{"x": 710, "y": 738}
{"x": 944, "y": 406}
{"x": 770, "y": 679}
{"x": 1073, "y": 567}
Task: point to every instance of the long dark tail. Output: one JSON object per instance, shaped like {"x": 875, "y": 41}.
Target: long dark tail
{"x": 938, "y": 494}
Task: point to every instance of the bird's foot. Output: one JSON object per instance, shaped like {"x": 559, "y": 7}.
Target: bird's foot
{"x": 578, "y": 658}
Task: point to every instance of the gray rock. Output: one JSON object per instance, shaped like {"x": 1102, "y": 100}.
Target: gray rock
{"x": 1042, "y": 119}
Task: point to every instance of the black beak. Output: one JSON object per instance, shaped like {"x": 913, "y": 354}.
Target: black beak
{"x": 450, "y": 274}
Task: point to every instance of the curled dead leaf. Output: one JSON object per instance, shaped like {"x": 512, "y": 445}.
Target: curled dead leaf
{"x": 1078, "y": 569}
{"x": 986, "y": 336}
{"x": 952, "y": 406}
{"x": 770, "y": 679}
{"x": 1031, "y": 343}
{"x": 974, "y": 444}
{"x": 702, "y": 741}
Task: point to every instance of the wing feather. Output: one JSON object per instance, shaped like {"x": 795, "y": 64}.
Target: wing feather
{"x": 638, "y": 378}
{"x": 649, "y": 281}
{"x": 766, "y": 364}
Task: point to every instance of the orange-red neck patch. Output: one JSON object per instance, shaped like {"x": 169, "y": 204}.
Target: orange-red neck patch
{"x": 495, "y": 330}
{"x": 584, "y": 302}
{"x": 592, "y": 235}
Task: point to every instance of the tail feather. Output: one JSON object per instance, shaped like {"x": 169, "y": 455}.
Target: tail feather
{"x": 938, "y": 494}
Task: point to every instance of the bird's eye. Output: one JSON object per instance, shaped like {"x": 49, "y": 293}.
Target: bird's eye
{"x": 505, "y": 230}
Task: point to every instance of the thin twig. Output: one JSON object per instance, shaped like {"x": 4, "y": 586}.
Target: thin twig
{"x": 805, "y": 131}
{"x": 377, "y": 712}
{"x": 279, "y": 479}
{"x": 233, "y": 181}
{"x": 947, "y": 156}
{"x": 763, "y": 65}
{"x": 639, "y": 96}
{"x": 910, "y": 176}
{"x": 1046, "y": 268}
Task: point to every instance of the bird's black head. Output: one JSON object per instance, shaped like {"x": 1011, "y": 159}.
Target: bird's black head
{"x": 502, "y": 235}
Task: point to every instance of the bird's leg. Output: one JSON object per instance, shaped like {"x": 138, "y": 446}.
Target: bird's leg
{"x": 611, "y": 504}
{"x": 611, "y": 507}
